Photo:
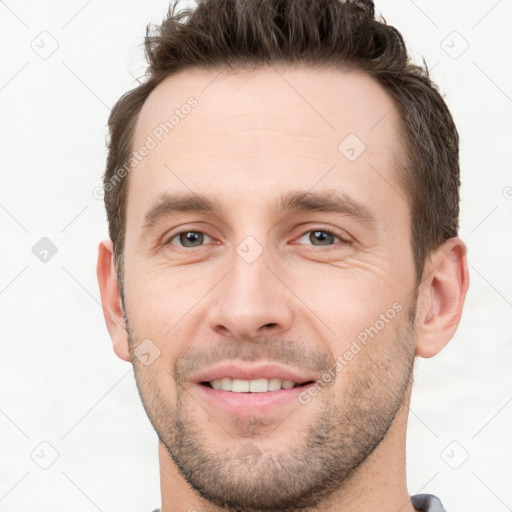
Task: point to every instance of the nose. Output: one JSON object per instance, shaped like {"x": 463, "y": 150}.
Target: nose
{"x": 251, "y": 300}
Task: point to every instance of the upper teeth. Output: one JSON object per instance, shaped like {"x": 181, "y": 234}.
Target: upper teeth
{"x": 253, "y": 386}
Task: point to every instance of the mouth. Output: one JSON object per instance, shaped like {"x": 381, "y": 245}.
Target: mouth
{"x": 243, "y": 403}
{"x": 262, "y": 385}
{"x": 244, "y": 391}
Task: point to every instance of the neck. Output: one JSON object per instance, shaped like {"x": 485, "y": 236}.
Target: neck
{"x": 379, "y": 483}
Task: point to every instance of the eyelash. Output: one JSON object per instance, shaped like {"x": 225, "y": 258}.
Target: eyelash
{"x": 319, "y": 228}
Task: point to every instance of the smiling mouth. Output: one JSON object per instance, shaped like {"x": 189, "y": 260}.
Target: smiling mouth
{"x": 254, "y": 386}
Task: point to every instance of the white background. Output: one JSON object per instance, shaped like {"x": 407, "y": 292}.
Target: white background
{"x": 61, "y": 382}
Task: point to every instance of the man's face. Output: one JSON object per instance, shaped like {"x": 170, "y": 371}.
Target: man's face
{"x": 255, "y": 283}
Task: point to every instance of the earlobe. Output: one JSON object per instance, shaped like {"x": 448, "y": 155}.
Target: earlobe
{"x": 111, "y": 300}
{"x": 441, "y": 297}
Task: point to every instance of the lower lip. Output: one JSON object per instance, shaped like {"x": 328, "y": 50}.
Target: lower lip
{"x": 243, "y": 404}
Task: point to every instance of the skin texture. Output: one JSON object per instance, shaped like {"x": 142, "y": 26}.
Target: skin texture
{"x": 254, "y": 136}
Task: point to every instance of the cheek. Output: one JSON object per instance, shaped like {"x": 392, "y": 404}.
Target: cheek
{"x": 349, "y": 298}
{"x": 160, "y": 298}
{"x": 373, "y": 366}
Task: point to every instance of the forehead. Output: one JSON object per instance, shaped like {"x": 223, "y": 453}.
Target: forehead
{"x": 300, "y": 100}
{"x": 273, "y": 128}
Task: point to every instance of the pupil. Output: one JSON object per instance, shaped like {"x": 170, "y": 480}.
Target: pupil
{"x": 190, "y": 237}
{"x": 322, "y": 236}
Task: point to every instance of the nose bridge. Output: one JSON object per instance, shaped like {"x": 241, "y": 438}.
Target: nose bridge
{"x": 251, "y": 298}
{"x": 250, "y": 274}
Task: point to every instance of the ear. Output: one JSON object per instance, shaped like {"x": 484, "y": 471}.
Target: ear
{"x": 441, "y": 297}
{"x": 111, "y": 300}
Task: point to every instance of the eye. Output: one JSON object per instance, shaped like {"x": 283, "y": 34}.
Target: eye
{"x": 316, "y": 237}
{"x": 189, "y": 238}
{"x": 322, "y": 237}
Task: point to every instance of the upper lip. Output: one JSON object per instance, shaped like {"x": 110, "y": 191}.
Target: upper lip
{"x": 261, "y": 371}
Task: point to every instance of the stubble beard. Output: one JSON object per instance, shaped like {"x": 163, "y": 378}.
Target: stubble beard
{"x": 336, "y": 442}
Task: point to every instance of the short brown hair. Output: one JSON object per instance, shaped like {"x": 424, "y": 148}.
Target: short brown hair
{"x": 235, "y": 34}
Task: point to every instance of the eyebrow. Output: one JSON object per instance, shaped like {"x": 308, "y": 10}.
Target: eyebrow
{"x": 331, "y": 201}
{"x": 328, "y": 201}
{"x": 168, "y": 204}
